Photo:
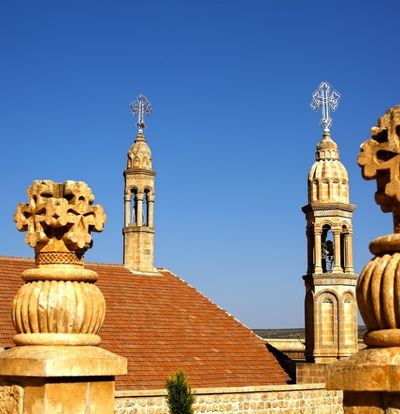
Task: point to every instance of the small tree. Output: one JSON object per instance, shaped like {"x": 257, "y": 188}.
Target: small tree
{"x": 180, "y": 397}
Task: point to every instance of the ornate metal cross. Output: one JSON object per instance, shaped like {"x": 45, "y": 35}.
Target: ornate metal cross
{"x": 328, "y": 100}
{"x": 141, "y": 107}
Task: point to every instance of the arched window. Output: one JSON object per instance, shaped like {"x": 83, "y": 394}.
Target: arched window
{"x": 328, "y": 322}
{"x": 134, "y": 203}
{"x": 327, "y": 250}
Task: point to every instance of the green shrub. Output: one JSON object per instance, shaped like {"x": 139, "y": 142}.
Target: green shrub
{"x": 180, "y": 397}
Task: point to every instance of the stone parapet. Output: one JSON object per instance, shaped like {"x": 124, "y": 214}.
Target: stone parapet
{"x": 288, "y": 399}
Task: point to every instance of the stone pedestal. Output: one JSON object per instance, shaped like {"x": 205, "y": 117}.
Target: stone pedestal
{"x": 59, "y": 379}
{"x": 370, "y": 380}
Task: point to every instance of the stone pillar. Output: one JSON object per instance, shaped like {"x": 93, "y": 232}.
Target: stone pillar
{"x": 348, "y": 253}
{"x": 56, "y": 366}
{"x": 127, "y": 208}
{"x": 150, "y": 206}
{"x": 370, "y": 378}
{"x": 318, "y": 259}
{"x": 139, "y": 218}
{"x": 337, "y": 254}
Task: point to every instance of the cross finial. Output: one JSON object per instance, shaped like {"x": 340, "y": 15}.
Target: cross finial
{"x": 141, "y": 107}
{"x": 328, "y": 99}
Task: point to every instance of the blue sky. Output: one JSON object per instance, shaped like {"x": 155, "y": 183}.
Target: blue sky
{"x": 232, "y": 133}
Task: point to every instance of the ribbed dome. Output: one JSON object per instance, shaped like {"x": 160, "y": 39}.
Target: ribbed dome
{"x": 139, "y": 154}
{"x": 328, "y": 180}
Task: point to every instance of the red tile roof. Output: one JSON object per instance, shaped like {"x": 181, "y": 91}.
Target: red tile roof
{"x": 162, "y": 324}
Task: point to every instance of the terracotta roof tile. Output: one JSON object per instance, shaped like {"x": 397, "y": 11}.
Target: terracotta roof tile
{"x": 162, "y": 324}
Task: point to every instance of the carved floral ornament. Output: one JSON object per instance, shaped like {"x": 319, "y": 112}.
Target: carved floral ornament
{"x": 59, "y": 217}
{"x": 378, "y": 287}
{"x": 380, "y": 159}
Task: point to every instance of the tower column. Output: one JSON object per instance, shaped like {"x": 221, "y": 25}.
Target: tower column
{"x": 139, "y": 218}
{"x": 318, "y": 259}
{"x": 310, "y": 255}
{"x": 150, "y": 206}
{"x": 337, "y": 255}
{"x": 127, "y": 208}
{"x": 348, "y": 253}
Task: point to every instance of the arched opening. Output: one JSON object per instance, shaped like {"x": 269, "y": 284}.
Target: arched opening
{"x": 328, "y": 321}
{"x": 134, "y": 205}
{"x": 327, "y": 252}
{"x": 145, "y": 211}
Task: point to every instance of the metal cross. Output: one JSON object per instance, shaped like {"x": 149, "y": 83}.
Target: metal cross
{"x": 141, "y": 107}
{"x": 327, "y": 99}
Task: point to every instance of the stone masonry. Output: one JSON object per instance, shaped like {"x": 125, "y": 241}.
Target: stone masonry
{"x": 287, "y": 399}
{"x": 138, "y": 228}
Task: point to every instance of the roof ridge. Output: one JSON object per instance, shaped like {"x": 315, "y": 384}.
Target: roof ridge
{"x": 86, "y": 262}
{"x": 16, "y": 258}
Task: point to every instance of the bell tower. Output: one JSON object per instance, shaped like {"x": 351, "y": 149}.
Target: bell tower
{"x": 330, "y": 301}
{"x": 139, "y": 176}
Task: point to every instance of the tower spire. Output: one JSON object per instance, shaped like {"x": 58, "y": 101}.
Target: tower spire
{"x": 139, "y": 176}
{"x": 330, "y": 304}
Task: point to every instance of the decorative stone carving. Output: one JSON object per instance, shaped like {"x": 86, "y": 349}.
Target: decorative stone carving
{"x": 11, "y": 399}
{"x": 59, "y": 303}
{"x": 378, "y": 290}
{"x": 59, "y": 217}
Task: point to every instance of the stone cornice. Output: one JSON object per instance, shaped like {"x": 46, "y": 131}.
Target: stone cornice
{"x": 142, "y": 171}
{"x": 328, "y": 206}
{"x": 323, "y": 279}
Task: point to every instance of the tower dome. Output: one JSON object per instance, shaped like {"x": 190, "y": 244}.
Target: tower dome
{"x": 139, "y": 154}
{"x": 328, "y": 180}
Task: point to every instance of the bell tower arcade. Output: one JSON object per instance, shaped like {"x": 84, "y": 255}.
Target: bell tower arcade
{"x": 330, "y": 301}
{"x": 139, "y": 176}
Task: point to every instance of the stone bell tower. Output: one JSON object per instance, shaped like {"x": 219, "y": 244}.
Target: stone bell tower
{"x": 330, "y": 302}
{"x": 139, "y": 176}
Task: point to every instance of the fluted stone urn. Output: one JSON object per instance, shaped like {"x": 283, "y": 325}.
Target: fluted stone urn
{"x": 59, "y": 304}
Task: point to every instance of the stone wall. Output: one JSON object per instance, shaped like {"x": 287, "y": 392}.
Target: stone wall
{"x": 286, "y": 399}
{"x": 292, "y": 348}
{"x": 309, "y": 373}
